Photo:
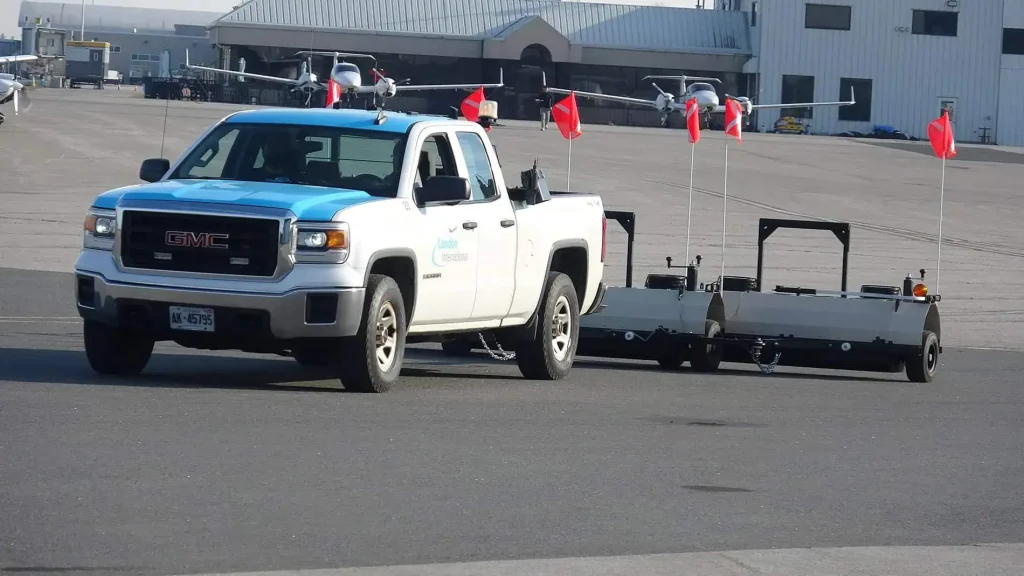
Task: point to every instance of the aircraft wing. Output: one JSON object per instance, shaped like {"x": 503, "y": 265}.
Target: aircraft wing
{"x": 20, "y": 58}
{"x": 595, "y": 96}
{"x": 242, "y": 74}
{"x": 850, "y": 102}
{"x": 405, "y": 87}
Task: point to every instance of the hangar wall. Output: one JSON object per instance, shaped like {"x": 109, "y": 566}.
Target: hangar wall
{"x": 905, "y": 58}
{"x": 1010, "y": 129}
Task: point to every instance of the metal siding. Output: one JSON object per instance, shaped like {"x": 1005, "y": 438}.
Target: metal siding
{"x": 604, "y": 25}
{"x": 909, "y": 72}
{"x": 1010, "y": 130}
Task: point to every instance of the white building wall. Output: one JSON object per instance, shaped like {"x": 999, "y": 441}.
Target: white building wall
{"x": 910, "y": 73}
{"x": 1010, "y": 128}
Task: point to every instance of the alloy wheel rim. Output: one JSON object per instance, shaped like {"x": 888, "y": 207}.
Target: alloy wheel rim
{"x": 561, "y": 329}
{"x": 386, "y": 337}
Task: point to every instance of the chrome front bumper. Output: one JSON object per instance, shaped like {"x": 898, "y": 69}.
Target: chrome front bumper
{"x": 285, "y": 310}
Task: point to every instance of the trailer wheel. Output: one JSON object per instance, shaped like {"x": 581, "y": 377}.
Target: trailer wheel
{"x": 923, "y": 366}
{"x": 458, "y": 347}
{"x": 707, "y": 357}
{"x": 673, "y": 357}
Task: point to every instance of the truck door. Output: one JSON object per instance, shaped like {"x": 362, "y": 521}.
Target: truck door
{"x": 446, "y": 251}
{"x": 497, "y": 234}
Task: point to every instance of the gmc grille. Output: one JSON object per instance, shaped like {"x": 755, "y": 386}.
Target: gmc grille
{"x": 252, "y": 243}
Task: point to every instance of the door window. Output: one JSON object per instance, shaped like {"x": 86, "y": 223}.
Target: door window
{"x": 481, "y": 178}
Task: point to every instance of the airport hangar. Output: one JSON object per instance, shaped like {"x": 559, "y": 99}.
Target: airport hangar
{"x": 596, "y": 47}
{"x": 138, "y": 37}
{"x": 906, "y": 59}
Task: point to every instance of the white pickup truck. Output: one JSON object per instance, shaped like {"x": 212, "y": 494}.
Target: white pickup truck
{"x": 335, "y": 238}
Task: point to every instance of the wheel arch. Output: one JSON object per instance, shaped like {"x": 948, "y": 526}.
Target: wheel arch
{"x": 564, "y": 257}
{"x": 400, "y": 265}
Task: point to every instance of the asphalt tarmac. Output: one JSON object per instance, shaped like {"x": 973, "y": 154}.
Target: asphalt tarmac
{"x": 220, "y": 463}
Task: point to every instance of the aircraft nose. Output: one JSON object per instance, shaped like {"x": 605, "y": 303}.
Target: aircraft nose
{"x": 710, "y": 99}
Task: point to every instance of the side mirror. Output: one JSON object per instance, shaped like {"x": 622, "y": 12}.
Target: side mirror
{"x": 443, "y": 190}
{"x": 154, "y": 169}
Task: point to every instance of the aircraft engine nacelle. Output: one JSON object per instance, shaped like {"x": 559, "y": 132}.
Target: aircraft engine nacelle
{"x": 386, "y": 87}
{"x": 746, "y": 104}
{"x": 663, "y": 102}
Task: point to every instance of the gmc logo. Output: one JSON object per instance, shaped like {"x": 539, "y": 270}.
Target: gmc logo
{"x": 195, "y": 239}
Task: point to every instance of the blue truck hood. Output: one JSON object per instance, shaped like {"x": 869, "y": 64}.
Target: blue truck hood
{"x": 306, "y": 202}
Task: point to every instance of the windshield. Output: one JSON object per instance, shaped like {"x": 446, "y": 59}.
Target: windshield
{"x": 365, "y": 160}
{"x": 701, "y": 86}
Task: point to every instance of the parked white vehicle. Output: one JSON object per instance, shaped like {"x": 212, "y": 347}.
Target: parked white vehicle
{"x": 335, "y": 238}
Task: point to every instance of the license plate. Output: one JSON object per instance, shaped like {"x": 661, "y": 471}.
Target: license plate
{"x": 195, "y": 319}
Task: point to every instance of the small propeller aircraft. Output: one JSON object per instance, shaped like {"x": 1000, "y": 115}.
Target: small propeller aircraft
{"x": 344, "y": 73}
{"x": 345, "y": 80}
{"x": 10, "y": 89}
{"x": 707, "y": 98}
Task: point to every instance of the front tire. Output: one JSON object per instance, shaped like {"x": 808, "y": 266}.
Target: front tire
{"x": 372, "y": 359}
{"x": 115, "y": 351}
{"x": 707, "y": 357}
{"x": 923, "y": 366}
{"x": 550, "y": 355}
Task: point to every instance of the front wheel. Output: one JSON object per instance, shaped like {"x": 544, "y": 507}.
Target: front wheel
{"x": 550, "y": 355}
{"x": 923, "y": 366}
{"x": 115, "y": 351}
{"x": 707, "y": 357}
{"x": 372, "y": 359}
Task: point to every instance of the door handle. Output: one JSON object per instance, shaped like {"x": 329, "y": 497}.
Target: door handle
{"x": 469, "y": 225}
{"x": 507, "y": 223}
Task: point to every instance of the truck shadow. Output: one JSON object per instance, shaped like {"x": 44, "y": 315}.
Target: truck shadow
{"x": 190, "y": 371}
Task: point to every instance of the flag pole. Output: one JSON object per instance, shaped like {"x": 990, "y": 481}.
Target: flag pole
{"x": 689, "y": 203}
{"x": 568, "y": 170}
{"x": 942, "y": 197}
{"x": 725, "y": 199}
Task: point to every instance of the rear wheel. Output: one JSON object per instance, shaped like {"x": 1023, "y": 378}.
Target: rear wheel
{"x": 707, "y": 357}
{"x": 923, "y": 366}
{"x": 372, "y": 359}
{"x": 550, "y": 355}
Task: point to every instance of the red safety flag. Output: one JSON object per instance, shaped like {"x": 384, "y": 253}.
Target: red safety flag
{"x": 567, "y": 117}
{"x": 471, "y": 105}
{"x": 733, "y": 119}
{"x": 333, "y": 93}
{"x": 693, "y": 120}
{"x": 940, "y": 134}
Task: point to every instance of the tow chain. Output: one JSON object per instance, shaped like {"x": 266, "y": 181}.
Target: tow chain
{"x": 501, "y": 354}
{"x": 755, "y": 354}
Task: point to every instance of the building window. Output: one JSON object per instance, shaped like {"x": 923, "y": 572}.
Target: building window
{"x": 826, "y": 17}
{"x": 1013, "y": 40}
{"x": 753, "y": 14}
{"x": 115, "y": 49}
{"x": 934, "y": 23}
{"x": 797, "y": 89}
{"x": 861, "y": 111}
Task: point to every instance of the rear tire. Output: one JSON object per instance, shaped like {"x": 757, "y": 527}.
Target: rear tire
{"x": 707, "y": 357}
{"x": 923, "y": 366}
{"x": 550, "y": 355}
{"x": 371, "y": 361}
{"x": 115, "y": 351}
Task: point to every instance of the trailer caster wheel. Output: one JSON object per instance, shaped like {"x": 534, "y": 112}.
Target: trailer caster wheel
{"x": 922, "y": 367}
{"x": 707, "y": 357}
{"x": 673, "y": 358}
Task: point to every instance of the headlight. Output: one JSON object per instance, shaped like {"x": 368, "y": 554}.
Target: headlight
{"x": 328, "y": 242}
{"x": 99, "y": 229}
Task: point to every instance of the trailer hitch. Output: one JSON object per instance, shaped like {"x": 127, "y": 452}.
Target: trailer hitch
{"x": 755, "y": 354}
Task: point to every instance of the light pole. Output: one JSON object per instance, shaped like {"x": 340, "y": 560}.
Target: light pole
{"x": 81, "y": 35}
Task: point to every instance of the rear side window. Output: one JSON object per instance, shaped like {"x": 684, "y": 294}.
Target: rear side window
{"x": 480, "y": 176}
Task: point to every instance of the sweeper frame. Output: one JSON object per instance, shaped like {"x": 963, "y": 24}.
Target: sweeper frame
{"x": 878, "y": 329}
